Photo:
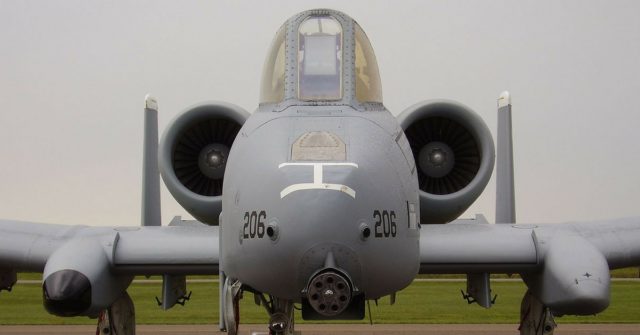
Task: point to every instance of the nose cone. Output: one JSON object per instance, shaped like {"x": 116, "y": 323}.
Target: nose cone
{"x": 66, "y": 293}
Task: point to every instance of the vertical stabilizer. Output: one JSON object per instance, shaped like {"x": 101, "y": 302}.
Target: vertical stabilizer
{"x": 150, "y": 173}
{"x": 505, "y": 193}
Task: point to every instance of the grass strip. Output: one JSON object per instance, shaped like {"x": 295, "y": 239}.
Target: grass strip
{"x": 421, "y": 302}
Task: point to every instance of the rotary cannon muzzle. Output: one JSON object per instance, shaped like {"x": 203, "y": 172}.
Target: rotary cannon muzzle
{"x": 329, "y": 293}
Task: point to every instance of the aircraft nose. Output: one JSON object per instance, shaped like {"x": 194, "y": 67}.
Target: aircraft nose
{"x": 66, "y": 293}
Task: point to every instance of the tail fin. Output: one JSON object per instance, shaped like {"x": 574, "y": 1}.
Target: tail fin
{"x": 150, "y": 174}
{"x": 505, "y": 193}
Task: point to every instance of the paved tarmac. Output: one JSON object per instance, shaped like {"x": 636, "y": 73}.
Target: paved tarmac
{"x": 563, "y": 329}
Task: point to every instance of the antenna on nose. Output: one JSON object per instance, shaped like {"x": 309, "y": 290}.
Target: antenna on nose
{"x": 150, "y": 173}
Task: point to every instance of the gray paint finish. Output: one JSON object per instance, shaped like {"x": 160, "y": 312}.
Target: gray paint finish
{"x": 285, "y": 216}
{"x": 505, "y": 189}
{"x": 27, "y": 246}
{"x": 151, "y": 215}
{"x": 316, "y": 221}
{"x": 463, "y": 248}
{"x": 459, "y": 247}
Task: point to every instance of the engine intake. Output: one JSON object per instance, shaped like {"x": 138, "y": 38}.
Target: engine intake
{"x": 454, "y": 151}
{"x": 193, "y": 156}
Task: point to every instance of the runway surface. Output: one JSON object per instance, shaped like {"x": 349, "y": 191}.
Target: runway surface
{"x": 566, "y": 329}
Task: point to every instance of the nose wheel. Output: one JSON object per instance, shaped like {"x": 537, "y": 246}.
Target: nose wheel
{"x": 280, "y": 314}
{"x": 281, "y": 323}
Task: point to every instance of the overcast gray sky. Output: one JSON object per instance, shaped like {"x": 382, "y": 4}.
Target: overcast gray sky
{"x": 73, "y": 75}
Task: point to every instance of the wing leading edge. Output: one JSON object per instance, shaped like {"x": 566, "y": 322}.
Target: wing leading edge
{"x": 464, "y": 247}
{"x": 181, "y": 249}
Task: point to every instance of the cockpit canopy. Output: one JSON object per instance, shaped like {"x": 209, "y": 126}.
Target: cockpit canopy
{"x": 313, "y": 57}
{"x": 320, "y": 59}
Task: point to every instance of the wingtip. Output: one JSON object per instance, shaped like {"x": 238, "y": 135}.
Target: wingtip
{"x": 150, "y": 102}
{"x": 504, "y": 99}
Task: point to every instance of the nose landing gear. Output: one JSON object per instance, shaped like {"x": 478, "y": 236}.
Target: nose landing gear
{"x": 280, "y": 314}
{"x": 280, "y": 311}
{"x": 281, "y": 317}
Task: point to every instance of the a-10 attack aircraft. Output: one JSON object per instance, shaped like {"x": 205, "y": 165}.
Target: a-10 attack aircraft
{"x": 321, "y": 199}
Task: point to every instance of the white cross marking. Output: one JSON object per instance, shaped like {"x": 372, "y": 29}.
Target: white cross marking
{"x": 317, "y": 184}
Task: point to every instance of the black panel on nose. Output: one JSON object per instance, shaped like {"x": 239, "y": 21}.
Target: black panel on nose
{"x": 66, "y": 293}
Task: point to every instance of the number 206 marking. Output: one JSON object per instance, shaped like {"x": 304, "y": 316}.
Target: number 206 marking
{"x": 385, "y": 225}
{"x": 254, "y": 224}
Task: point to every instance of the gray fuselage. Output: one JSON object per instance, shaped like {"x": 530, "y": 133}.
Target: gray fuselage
{"x": 314, "y": 207}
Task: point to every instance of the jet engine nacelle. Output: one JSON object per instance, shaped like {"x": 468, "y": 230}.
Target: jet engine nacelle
{"x": 193, "y": 154}
{"x": 454, "y": 155}
{"x": 77, "y": 278}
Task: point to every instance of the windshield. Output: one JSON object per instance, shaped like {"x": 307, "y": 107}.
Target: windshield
{"x": 272, "y": 88}
{"x": 320, "y": 59}
{"x": 368, "y": 87}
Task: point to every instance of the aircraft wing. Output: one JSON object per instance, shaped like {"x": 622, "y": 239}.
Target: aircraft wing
{"x": 466, "y": 246}
{"x": 565, "y": 266}
{"x": 186, "y": 248}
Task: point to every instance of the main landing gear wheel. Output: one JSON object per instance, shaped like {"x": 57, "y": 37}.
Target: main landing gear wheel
{"x": 535, "y": 318}
{"x": 119, "y": 319}
{"x": 232, "y": 295}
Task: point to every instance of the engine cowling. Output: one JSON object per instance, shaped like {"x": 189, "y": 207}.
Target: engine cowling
{"x": 454, "y": 154}
{"x": 193, "y": 154}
